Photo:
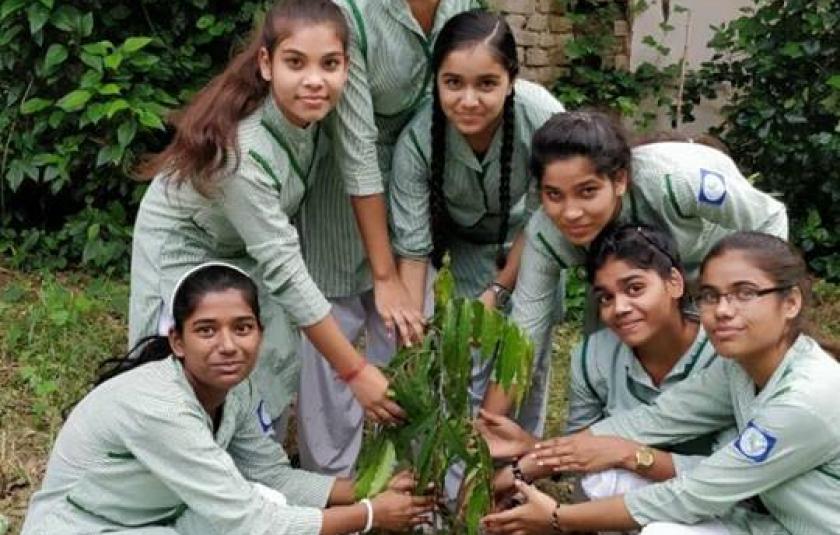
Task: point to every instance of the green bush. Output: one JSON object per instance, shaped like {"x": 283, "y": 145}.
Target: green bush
{"x": 782, "y": 62}
{"x": 85, "y": 86}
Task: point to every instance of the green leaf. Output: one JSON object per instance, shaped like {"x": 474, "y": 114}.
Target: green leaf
{"x": 205, "y": 21}
{"x": 126, "y": 131}
{"x": 109, "y": 154}
{"x": 34, "y": 105}
{"x": 86, "y": 25}
{"x": 10, "y": 6}
{"x": 74, "y": 101}
{"x": 112, "y": 61}
{"x": 110, "y": 89}
{"x": 48, "y": 3}
{"x": 38, "y": 15}
{"x": 65, "y": 18}
{"x": 834, "y": 81}
{"x": 444, "y": 286}
{"x": 100, "y": 48}
{"x": 149, "y": 119}
{"x": 133, "y": 44}
{"x": 116, "y": 106}
{"x": 56, "y": 55}
{"x": 792, "y": 49}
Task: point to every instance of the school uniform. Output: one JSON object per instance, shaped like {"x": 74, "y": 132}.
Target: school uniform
{"x": 139, "y": 455}
{"x": 247, "y": 222}
{"x": 471, "y": 193}
{"x": 692, "y": 191}
{"x": 787, "y": 452}
{"x": 389, "y": 78}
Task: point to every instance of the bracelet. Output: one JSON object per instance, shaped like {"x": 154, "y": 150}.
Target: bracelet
{"x": 369, "y": 521}
{"x": 518, "y": 474}
{"x": 352, "y": 374}
{"x": 555, "y": 520}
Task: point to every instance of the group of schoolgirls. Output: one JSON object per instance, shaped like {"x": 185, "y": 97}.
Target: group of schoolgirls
{"x": 309, "y": 186}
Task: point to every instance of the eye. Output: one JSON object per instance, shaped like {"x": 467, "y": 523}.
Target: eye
{"x": 294, "y": 62}
{"x": 708, "y": 296}
{"x": 205, "y": 331}
{"x": 745, "y": 293}
{"x": 635, "y": 289}
{"x": 332, "y": 64}
{"x": 603, "y": 299}
{"x": 588, "y": 192}
{"x": 488, "y": 85}
{"x": 245, "y": 328}
{"x": 553, "y": 195}
{"x": 452, "y": 84}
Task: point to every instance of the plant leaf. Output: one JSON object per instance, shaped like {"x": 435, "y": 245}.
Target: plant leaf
{"x": 74, "y": 100}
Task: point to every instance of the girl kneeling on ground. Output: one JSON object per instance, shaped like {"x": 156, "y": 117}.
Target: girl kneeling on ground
{"x": 174, "y": 439}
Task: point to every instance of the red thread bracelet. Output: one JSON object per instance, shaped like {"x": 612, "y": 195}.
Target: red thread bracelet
{"x": 352, "y": 374}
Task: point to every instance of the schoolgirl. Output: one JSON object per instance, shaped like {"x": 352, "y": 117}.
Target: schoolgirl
{"x": 174, "y": 439}
{"x": 460, "y": 177}
{"x": 776, "y": 383}
{"x": 389, "y": 78}
{"x": 589, "y": 178}
{"x": 649, "y": 345}
{"x": 228, "y": 185}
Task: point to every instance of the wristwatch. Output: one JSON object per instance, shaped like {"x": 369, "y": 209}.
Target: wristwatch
{"x": 501, "y": 294}
{"x": 644, "y": 458}
{"x": 518, "y": 474}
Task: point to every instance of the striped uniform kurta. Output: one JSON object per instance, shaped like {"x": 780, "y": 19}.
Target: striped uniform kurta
{"x": 608, "y": 379}
{"x": 139, "y": 455}
{"x": 390, "y": 77}
{"x": 471, "y": 191}
{"x": 787, "y": 452}
{"x": 247, "y": 221}
{"x": 692, "y": 191}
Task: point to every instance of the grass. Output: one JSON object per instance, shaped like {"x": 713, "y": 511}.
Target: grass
{"x": 54, "y": 330}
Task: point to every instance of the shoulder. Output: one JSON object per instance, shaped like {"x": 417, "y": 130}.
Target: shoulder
{"x": 597, "y": 348}
{"x": 681, "y": 164}
{"x": 418, "y": 130}
{"x": 543, "y": 236}
{"x": 534, "y": 106}
{"x": 811, "y": 379}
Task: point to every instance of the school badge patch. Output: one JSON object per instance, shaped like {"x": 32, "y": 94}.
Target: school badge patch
{"x": 264, "y": 419}
{"x": 712, "y": 187}
{"x": 755, "y": 443}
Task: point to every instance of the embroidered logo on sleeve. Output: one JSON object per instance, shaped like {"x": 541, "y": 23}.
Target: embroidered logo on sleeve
{"x": 712, "y": 187}
{"x": 755, "y": 443}
{"x": 264, "y": 419}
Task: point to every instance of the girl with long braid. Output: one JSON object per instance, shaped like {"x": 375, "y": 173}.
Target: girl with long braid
{"x": 460, "y": 181}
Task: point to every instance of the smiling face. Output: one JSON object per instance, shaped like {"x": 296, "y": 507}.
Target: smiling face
{"x": 219, "y": 343}
{"x": 472, "y": 85}
{"x": 578, "y": 200}
{"x": 745, "y": 331}
{"x": 637, "y": 304}
{"x": 307, "y": 72}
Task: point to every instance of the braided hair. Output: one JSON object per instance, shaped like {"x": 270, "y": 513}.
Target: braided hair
{"x": 463, "y": 31}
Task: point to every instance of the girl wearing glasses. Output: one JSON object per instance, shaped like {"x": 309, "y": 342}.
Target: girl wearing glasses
{"x": 650, "y": 345}
{"x": 589, "y": 177}
{"x": 776, "y": 383}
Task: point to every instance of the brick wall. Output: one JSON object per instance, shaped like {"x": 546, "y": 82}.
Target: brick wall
{"x": 542, "y": 30}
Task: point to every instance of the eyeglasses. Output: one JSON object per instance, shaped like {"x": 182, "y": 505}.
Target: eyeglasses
{"x": 708, "y": 297}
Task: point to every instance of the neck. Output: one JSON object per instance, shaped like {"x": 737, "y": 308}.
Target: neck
{"x": 480, "y": 142}
{"x": 659, "y": 354}
{"x": 761, "y": 365}
{"x": 210, "y": 398}
{"x": 423, "y": 12}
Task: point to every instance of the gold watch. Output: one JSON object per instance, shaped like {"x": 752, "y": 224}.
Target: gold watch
{"x": 644, "y": 458}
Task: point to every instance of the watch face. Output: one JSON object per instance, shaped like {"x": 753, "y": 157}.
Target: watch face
{"x": 644, "y": 457}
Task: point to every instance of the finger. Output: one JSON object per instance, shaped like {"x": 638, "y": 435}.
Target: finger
{"x": 372, "y": 416}
{"x": 490, "y": 417}
{"x": 418, "y": 324}
{"x": 394, "y": 411}
{"x": 402, "y": 325}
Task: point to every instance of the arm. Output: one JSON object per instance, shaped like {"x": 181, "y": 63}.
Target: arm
{"x": 251, "y": 205}
{"x": 700, "y": 404}
{"x": 585, "y": 405}
{"x": 782, "y": 442}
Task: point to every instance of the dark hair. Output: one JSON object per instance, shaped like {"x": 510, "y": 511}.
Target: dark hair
{"x": 592, "y": 135}
{"x": 664, "y": 136}
{"x": 785, "y": 266}
{"x": 206, "y": 128}
{"x": 208, "y": 279}
{"x": 465, "y": 30}
{"x": 641, "y": 246}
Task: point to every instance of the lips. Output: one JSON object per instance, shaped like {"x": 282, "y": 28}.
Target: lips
{"x": 627, "y": 326}
{"x": 726, "y": 333}
{"x": 313, "y": 101}
{"x": 228, "y": 367}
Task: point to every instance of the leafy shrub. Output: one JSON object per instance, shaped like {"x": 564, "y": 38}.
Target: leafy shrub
{"x": 85, "y": 86}
{"x": 782, "y": 62}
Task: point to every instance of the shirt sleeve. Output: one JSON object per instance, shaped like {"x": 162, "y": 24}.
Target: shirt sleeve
{"x": 409, "y": 198}
{"x": 252, "y": 206}
{"x": 585, "y": 406}
{"x": 177, "y": 446}
{"x": 721, "y": 195}
{"x": 261, "y": 459}
{"x": 782, "y": 442}
{"x": 698, "y": 405}
{"x": 535, "y": 294}
{"x": 352, "y": 125}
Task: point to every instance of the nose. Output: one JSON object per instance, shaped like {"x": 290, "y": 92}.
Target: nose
{"x": 313, "y": 79}
{"x": 723, "y": 308}
{"x": 622, "y": 304}
{"x": 470, "y": 98}
{"x": 571, "y": 212}
{"x": 226, "y": 344}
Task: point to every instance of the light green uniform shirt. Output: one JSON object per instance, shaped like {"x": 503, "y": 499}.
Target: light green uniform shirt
{"x": 692, "y": 191}
{"x": 390, "y": 76}
{"x": 608, "y": 379}
{"x": 787, "y": 453}
{"x": 246, "y": 222}
{"x": 470, "y": 187}
{"x": 140, "y": 451}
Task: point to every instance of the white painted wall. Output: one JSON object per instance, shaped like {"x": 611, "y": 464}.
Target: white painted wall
{"x": 704, "y": 13}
